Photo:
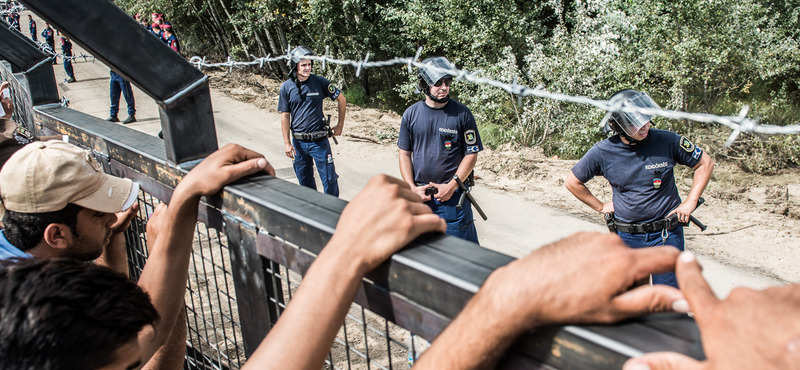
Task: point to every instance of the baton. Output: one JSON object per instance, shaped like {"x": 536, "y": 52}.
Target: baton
{"x": 330, "y": 131}
{"x": 694, "y": 220}
{"x": 471, "y": 199}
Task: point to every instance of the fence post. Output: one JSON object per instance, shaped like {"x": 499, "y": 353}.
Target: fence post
{"x": 115, "y": 38}
{"x": 251, "y": 286}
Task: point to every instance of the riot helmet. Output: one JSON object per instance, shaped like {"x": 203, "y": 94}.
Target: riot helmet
{"x": 297, "y": 54}
{"x": 430, "y": 76}
{"x": 628, "y": 123}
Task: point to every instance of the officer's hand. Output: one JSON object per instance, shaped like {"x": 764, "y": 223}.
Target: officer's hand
{"x": 289, "y": 149}
{"x": 369, "y": 231}
{"x": 541, "y": 289}
{"x": 337, "y": 130}
{"x": 607, "y": 208}
{"x": 685, "y": 210}
{"x": 749, "y": 330}
{"x": 420, "y": 190}
{"x": 222, "y": 167}
{"x": 445, "y": 190}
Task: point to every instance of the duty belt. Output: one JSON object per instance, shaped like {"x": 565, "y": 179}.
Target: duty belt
{"x": 668, "y": 223}
{"x": 311, "y": 136}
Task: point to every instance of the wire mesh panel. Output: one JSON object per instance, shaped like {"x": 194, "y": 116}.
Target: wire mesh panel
{"x": 365, "y": 341}
{"x": 23, "y": 111}
{"x": 212, "y": 319}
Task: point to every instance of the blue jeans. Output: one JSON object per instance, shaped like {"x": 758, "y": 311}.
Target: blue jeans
{"x": 68, "y": 68}
{"x": 459, "y": 221}
{"x": 121, "y": 85}
{"x": 654, "y": 239}
{"x": 308, "y": 153}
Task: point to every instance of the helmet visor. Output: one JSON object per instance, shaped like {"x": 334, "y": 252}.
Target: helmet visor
{"x": 631, "y": 122}
{"x": 434, "y": 74}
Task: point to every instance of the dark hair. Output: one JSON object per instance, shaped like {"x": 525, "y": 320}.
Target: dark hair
{"x": 26, "y": 230}
{"x": 66, "y": 314}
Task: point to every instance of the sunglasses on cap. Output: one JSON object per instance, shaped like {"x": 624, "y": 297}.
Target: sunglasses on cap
{"x": 446, "y": 81}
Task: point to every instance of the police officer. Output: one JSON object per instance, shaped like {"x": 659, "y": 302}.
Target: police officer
{"x": 639, "y": 163}
{"x": 439, "y": 139}
{"x": 120, "y": 85}
{"x": 49, "y": 39}
{"x": 170, "y": 38}
{"x": 304, "y": 128}
{"x": 66, "y": 49}
{"x": 32, "y": 28}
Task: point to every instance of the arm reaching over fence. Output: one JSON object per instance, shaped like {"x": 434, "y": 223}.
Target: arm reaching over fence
{"x": 367, "y": 234}
{"x": 164, "y": 276}
{"x": 584, "y": 278}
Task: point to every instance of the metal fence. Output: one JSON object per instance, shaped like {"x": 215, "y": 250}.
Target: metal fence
{"x": 257, "y": 238}
{"x": 23, "y": 110}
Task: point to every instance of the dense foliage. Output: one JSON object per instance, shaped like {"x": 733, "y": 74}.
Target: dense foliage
{"x": 692, "y": 55}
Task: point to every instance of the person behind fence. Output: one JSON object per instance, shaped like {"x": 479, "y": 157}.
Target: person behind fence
{"x": 120, "y": 85}
{"x": 66, "y": 50}
{"x": 639, "y": 161}
{"x": 49, "y": 39}
{"x": 32, "y": 28}
{"x": 72, "y": 315}
{"x": 170, "y": 38}
{"x": 58, "y": 202}
{"x": 15, "y": 21}
{"x": 305, "y": 130}
{"x": 439, "y": 139}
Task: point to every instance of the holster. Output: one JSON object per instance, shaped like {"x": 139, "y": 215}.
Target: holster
{"x": 609, "y": 217}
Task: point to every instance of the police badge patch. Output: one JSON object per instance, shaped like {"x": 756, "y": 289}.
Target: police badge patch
{"x": 470, "y": 137}
{"x": 686, "y": 144}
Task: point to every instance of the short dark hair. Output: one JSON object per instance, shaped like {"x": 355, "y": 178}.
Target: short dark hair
{"x": 66, "y": 314}
{"x": 26, "y": 230}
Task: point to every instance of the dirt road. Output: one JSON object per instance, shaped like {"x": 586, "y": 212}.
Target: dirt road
{"x": 520, "y": 190}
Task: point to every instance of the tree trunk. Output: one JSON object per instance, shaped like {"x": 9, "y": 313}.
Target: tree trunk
{"x": 217, "y": 24}
{"x": 235, "y": 29}
{"x": 276, "y": 51}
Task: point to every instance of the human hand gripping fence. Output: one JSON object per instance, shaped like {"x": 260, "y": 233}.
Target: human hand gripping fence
{"x": 739, "y": 124}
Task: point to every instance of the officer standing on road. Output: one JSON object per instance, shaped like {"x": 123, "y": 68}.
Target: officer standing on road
{"x": 32, "y": 28}
{"x": 66, "y": 49}
{"x": 305, "y": 136}
{"x": 49, "y": 39}
{"x": 120, "y": 85}
{"x": 439, "y": 139}
{"x": 639, "y": 164}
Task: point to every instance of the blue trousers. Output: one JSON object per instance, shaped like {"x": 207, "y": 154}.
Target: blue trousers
{"x": 459, "y": 221}
{"x": 654, "y": 239}
{"x": 120, "y": 85}
{"x": 69, "y": 70}
{"x": 308, "y": 153}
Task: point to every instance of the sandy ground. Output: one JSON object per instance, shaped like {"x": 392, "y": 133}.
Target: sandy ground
{"x": 753, "y": 220}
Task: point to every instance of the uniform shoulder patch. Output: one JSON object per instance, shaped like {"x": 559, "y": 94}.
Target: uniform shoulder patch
{"x": 470, "y": 137}
{"x": 686, "y": 144}
{"x": 331, "y": 89}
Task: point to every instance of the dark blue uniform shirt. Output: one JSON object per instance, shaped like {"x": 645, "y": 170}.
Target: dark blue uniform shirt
{"x": 439, "y": 139}
{"x": 306, "y": 111}
{"x": 641, "y": 176}
{"x": 66, "y": 47}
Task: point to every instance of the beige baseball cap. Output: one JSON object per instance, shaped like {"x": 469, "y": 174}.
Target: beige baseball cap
{"x": 46, "y": 176}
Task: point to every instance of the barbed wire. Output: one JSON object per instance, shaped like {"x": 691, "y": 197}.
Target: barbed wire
{"x": 47, "y": 50}
{"x": 14, "y": 9}
{"x": 739, "y": 124}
